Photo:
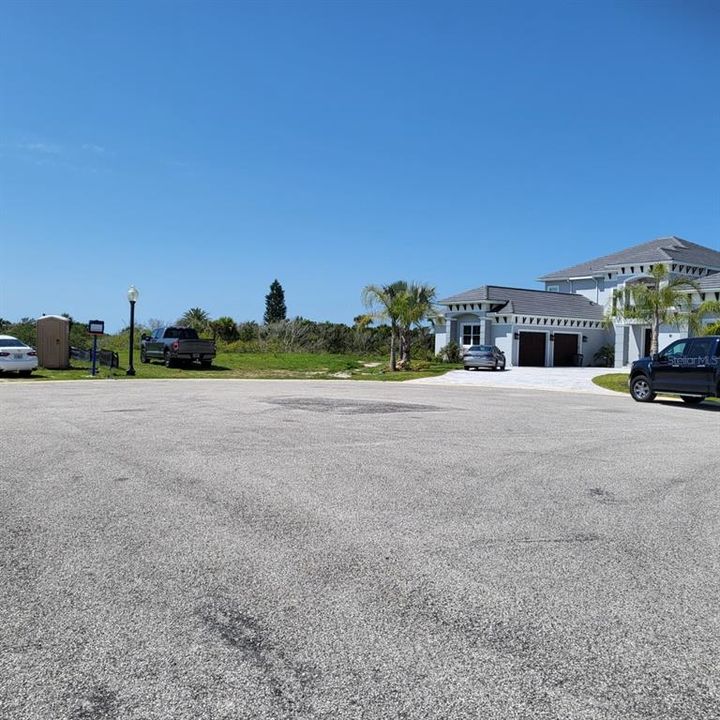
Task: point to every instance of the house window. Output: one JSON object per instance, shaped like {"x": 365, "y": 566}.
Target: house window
{"x": 471, "y": 335}
{"x": 552, "y": 288}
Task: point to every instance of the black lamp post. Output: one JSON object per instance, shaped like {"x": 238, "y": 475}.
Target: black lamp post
{"x": 132, "y": 295}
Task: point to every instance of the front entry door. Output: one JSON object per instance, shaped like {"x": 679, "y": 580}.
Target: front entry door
{"x": 531, "y": 350}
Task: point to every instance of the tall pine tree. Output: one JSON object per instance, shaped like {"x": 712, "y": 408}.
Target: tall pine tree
{"x": 275, "y": 309}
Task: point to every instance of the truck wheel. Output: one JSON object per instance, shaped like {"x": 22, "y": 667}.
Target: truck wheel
{"x": 143, "y": 356}
{"x": 169, "y": 362}
{"x": 691, "y": 399}
{"x": 641, "y": 390}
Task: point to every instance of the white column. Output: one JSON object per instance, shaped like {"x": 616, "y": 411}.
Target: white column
{"x": 622, "y": 336}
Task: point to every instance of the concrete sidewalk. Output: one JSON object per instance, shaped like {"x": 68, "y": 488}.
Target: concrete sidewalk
{"x": 534, "y": 378}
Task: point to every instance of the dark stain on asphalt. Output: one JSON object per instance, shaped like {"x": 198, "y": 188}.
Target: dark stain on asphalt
{"x": 126, "y": 410}
{"x": 16, "y": 532}
{"x": 350, "y": 407}
{"x": 601, "y": 495}
{"x": 274, "y": 523}
{"x": 507, "y": 637}
{"x": 238, "y": 630}
{"x": 184, "y": 482}
{"x": 99, "y": 703}
{"x": 285, "y": 678}
{"x": 242, "y": 509}
{"x": 572, "y": 538}
{"x": 16, "y": 558}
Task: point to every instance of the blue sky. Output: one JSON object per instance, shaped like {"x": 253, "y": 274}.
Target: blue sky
{"x": 202, "y": 149}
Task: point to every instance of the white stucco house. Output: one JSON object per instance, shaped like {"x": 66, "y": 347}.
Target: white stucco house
{"x": 563, "y": 324}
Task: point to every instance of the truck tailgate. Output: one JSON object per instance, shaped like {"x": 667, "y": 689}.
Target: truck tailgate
{"x": 195, "y": 347}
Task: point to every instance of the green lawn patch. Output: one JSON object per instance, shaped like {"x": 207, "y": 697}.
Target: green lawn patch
{"x": 613, "y": 381}
{"x": 268, "y": 366}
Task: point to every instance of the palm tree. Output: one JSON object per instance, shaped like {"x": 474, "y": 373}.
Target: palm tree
{"x": 224, "y": 328}
{"x": 384, "y": 301}
{"x": 696, "y": 316}
{"x": 195, "y": 318}
{"x": 657, "y": 301}
{"x": 416, "y": 305}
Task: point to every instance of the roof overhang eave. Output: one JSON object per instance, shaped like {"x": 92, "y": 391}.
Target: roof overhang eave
{"x": 596, "y": 275}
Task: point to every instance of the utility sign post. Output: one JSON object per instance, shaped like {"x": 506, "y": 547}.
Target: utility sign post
{"x": 95, "y": 328}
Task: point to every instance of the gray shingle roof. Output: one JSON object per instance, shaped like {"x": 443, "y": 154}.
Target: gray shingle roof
{"x": 659, "y": 250}
{"x": 709, "y": 282}
{"x": 530, "y": 302}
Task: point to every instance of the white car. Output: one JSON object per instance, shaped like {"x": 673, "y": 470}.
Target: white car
{"x": 16, "y": 356}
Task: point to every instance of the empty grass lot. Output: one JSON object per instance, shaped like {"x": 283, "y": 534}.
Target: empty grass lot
{"x": 259, "y": 366}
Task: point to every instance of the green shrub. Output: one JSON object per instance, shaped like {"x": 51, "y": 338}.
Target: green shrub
{"x": 224, "y": 329}
{"x": 248, "y": 331}
{"x": 605, "y": 356}
{"x": 80, "y": 337}
{"x": 25, "y": 330}
{"x": 450, "y": 353}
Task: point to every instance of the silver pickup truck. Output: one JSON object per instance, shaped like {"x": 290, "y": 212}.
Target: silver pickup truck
{"x": 176, "y": 345}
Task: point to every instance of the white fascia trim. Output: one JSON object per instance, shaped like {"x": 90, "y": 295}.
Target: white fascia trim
{"x": 466, "y": 307}
{"x": 546, "y": 321}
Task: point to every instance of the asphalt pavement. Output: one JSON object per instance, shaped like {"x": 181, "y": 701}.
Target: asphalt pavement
{"x": 270, "y": 550}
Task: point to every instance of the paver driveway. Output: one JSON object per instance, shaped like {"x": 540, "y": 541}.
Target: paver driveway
{"x": 531, "y": 378}
{"x": 225, "y": 550}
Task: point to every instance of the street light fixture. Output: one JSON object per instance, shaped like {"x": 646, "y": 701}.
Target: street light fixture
{"x": 132, "y": 295}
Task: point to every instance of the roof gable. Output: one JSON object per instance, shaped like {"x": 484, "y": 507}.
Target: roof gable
{"x": 667, "y": 249}
{"x": 530, "y": 302}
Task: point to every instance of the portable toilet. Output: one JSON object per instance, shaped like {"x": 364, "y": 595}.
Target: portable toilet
{"x": 53, "y": 342}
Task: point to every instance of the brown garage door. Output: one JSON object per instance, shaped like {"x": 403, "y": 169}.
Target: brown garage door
{"x": 565, "y": 348}
{"x": 532, "y": 349}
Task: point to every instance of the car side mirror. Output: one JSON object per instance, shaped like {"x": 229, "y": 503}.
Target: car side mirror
{"x": 656, "y": 357}
{"x": 144, "y": 336}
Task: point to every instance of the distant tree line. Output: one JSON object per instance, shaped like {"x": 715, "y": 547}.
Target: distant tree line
{"x": 302, "y": 335}
{"x": 296, "y": 335}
